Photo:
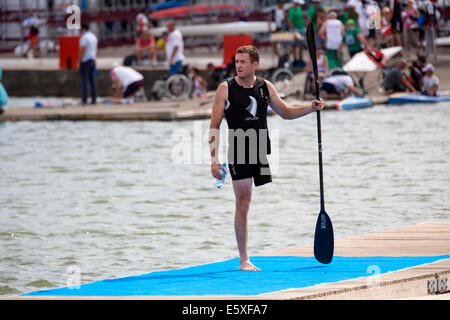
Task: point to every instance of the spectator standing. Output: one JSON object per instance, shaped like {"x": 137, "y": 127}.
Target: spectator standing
{"x": 277, "y": 16}
{"x": 32, "y": 24}
{"x": 142, "y": 21}
{"x": 333, "y": 31}
{"x": 353, "y": 38}
{"x": 387, "y": 39}
{"x": 360, "y": 9}
{"x": 296, "y": 25}
{"x": 174, "y": 48}
{"x": 86, "y": 61}
{"x": 411, "y": 28}
{"x": 312, "y": 13}
{"x": 430, "y": 26}
{"x": 396, "y": 21}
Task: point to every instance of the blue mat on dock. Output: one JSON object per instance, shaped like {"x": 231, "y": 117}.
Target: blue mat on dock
{"x": 223, "y": 278}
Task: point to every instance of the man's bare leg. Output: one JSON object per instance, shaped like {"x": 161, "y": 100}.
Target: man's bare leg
{"x": 243, "y": 194}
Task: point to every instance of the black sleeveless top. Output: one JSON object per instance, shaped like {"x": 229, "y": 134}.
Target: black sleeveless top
{"x": 246, "y": 115}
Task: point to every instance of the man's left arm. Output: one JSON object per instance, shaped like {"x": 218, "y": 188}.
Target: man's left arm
{"x": 290, "y": 112}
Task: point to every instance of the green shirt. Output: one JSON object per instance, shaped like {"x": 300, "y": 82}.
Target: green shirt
{"x": 296, "y": 16}
{"x": 351, "y": 40}
{"x": 311, "y": 14}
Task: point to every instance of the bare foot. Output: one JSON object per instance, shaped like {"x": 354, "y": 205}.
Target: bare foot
{"x": 248, "y": 266}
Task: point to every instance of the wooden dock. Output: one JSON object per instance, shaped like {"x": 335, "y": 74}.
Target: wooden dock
{"x": 425, "y": 239}
{"x": 193, "y": 109}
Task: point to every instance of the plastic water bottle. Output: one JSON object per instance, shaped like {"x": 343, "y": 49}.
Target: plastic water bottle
{"x": 219, "y": 183}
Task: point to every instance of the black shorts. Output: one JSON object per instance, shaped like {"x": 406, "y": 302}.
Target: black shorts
{"x": 259, "y": 172}
{"x": 132, "y": 88}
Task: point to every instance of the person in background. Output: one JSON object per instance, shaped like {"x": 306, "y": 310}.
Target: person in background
{"x": 339, "y": 87}
{"x": 333, "y": 31}
{"x": 387, "y": 39}
{"x": 145, "y": 44}
{"x": 200, "y": 85}
{"x": 126, "y": 82}
{"x": 86, "y": 61}
{"x": 3, "y": 94}
{"x": 411, "y": 28}
{"x": 296, "y": 25}
{"x": 350, "y": 14}
{"x": 174, "y": 48}
{"x": 430, "y": 82}
{"x": 322, "y": 67}
{"x": 430, "y": 26}
{"x": 396, "y": 21}
{"x": 416, "y": 73}
{"x": 322, "y": 63}
{"x": 277, "y": 16}
{"x": 361, "y": 9}
{"x": 396, "y": 80}
{"x": 161, "y": 46}
{"x": 32, "y": 24}
{"x": 242, "y": 14}
{"x": 317, "y": 13}
{"x": 353, "y": 38}
{"x": 142, "y": 21}
{"x": 214, "y": 76}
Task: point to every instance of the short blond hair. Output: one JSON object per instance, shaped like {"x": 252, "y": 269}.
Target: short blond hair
{"x": 252, "y": 52}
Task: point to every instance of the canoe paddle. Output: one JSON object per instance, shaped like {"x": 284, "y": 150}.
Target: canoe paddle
{"x": 323, "y": 237}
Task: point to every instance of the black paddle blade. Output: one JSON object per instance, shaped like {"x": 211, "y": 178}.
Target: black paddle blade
{"x": 324, "y": 239}
{"x": 310, "y": 38}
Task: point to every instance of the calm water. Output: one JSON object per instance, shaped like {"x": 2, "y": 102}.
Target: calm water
{"x": 105, "y": 200}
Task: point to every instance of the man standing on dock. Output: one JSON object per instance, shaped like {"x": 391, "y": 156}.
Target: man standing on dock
{"x": 86, "y": 61}
{"x": 174, "y": 48}
{"x": 244, "y": 100}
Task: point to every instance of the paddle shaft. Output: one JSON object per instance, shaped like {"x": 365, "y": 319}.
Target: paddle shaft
{"x": 312, "y": 51}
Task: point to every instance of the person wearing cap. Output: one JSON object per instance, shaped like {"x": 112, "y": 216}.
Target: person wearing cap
{"x": 296, "y": 24}
{"x": 126, "y": 82}
{"x": 353, "y": 38}
{"x": 430, "y": 83}
{"x": 339, "y": 86}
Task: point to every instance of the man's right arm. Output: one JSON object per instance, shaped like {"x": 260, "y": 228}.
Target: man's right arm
{"x": 214, "y": 128}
